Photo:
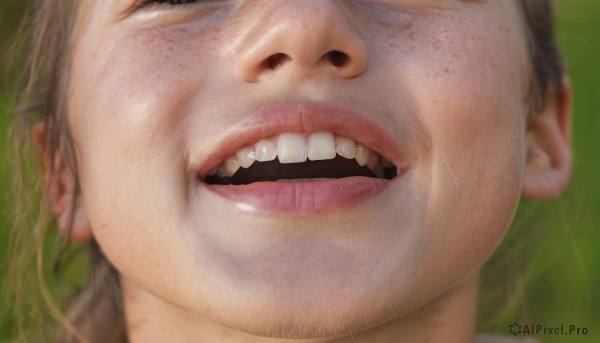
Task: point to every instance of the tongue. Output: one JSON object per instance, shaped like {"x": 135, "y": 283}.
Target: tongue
{"x": 338, "y": 167}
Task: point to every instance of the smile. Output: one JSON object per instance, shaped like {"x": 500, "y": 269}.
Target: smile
{"x": 299, "y": 157}
{"x": 303, "y": 158}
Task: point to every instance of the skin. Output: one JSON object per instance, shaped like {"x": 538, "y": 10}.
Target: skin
{"x": 151, "y": 91}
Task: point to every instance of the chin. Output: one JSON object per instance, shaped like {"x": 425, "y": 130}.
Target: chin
{"x": 311, "y": 306}
{"x": 302, "y": 319}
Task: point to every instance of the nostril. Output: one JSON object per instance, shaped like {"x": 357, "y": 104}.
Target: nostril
{"x": 275, "y": 61}
{"x": 337, "y": 58}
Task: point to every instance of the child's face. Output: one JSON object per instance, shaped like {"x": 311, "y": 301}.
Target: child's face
{"x": 163, "y": 94}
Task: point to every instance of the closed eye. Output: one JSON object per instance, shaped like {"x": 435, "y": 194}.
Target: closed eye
{"x": 166, "y": 2}
{"x": 154, "y": 3}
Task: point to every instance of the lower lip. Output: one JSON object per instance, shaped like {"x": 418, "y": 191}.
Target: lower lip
{"x": 310, "y": 197}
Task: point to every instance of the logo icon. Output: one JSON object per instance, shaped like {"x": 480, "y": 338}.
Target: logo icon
{"x": 515, "y": 329}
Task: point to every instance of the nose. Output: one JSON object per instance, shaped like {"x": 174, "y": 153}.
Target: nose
{"x": 301, "y": 38}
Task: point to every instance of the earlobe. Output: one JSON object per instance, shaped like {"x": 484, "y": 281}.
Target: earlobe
{"x": 70, "y": 213}
{"x": 548, "y": 164}
{"x": 60, "y": 184}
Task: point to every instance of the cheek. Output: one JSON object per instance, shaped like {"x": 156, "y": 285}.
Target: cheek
{"x": 128, "y": 111}
{"x": 475, "y": 113}
{"x": 467, "y": 87}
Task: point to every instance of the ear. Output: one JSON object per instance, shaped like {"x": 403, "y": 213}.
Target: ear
{"x": 60, "y": 184}
{"x": 548, "y": 165}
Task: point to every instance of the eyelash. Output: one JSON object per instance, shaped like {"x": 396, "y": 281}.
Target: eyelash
{"x": 155, "y": 3}
{"x": 168, "y": 2}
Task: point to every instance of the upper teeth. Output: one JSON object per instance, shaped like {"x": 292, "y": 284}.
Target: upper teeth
{"x": 297, "y": 148}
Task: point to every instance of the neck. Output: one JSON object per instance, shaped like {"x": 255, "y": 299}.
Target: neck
{"x": 449, "y": 318}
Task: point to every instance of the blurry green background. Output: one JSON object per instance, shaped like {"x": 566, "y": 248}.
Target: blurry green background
{"x": 561, "y": 282}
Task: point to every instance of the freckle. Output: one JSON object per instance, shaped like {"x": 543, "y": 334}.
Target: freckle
{"x": 446, "y": 70}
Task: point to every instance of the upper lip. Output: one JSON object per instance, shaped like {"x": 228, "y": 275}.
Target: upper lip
{"x": 306, "y": 118}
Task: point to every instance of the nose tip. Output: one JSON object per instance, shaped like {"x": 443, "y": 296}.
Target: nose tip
{"x": 302, "y": 40}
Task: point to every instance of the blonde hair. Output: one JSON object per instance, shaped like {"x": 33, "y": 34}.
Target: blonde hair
{"x": 95, "y": 312}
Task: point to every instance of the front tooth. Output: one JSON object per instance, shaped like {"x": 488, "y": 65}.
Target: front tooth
{"x": 362, "y": 154}
{"x": 345, "y": 147}
{"x": 291, "y": 148}
{"x": 246, "y": 156}
{"x": 265, "y": 151}
{"x": 231, "y": 165}
{"x": 321, "y": 146}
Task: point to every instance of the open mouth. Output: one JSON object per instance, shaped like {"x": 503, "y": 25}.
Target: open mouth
{"x": 300, "y": 157}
